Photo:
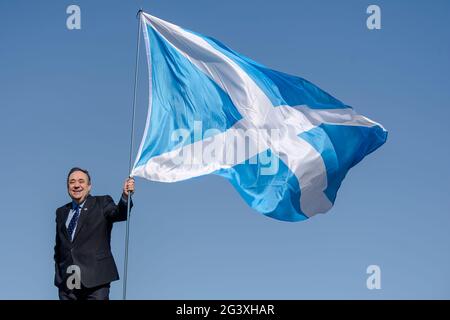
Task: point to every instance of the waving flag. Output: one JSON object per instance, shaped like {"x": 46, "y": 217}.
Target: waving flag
{"x": 284, "y": 144}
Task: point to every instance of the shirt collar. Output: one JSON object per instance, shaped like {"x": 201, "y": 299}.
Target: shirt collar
{"x": 76, "y": 205}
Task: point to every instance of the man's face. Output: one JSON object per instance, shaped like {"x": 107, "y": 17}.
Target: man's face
{"x": 78, "y": 186}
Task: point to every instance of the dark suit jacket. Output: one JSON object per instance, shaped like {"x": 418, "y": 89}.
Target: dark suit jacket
{"x": 91, "y": 246}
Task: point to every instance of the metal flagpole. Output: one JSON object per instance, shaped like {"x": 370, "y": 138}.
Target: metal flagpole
{"x": 127, "y": 236}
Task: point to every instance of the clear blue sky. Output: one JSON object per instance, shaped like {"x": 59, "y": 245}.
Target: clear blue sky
{"x": 65, "y": 100}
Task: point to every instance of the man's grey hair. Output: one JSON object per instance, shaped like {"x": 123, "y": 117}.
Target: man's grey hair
{"x": 79, "y": 169}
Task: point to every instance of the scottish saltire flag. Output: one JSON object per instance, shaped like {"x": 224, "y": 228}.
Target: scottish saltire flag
{"x": 284, "y": 144}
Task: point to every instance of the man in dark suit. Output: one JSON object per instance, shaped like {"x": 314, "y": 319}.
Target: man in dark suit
{"x": 84, "y": 265}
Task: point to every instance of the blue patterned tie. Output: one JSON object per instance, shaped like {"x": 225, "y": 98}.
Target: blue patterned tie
{"x": 74, "y": 220}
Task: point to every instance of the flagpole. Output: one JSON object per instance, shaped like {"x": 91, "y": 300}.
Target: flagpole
{"x": 127, "y": 236}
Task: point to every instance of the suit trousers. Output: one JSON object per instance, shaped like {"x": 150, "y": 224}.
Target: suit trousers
{"x": 95, "y": 293}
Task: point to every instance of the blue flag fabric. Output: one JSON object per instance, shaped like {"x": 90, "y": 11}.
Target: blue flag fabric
{"x": 283, "y": 143}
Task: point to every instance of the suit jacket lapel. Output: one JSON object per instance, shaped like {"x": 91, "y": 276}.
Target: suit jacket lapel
{"x": 84, "y": 215}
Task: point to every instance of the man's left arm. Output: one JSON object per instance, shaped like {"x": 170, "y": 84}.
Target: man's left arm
{"x": 118, "y": 212}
